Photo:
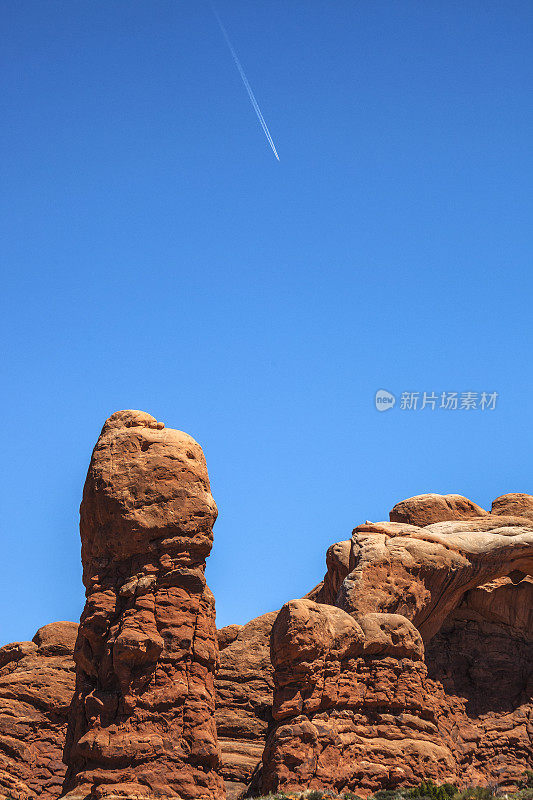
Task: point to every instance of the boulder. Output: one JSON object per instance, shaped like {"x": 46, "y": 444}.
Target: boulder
{"x": 515, "y": 504}
{"x": 424, "y": 509}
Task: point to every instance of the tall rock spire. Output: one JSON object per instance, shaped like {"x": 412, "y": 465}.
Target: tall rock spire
{"x": 142, "y": 718}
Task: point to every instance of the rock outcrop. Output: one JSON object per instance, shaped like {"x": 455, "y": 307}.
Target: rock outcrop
{"x": 421, "y": 665}
{"x": 36, "y": 686}
{"x": 244, "y": 683}
{"x": 142, "y": 717}
{"x": 339, "y": 562}
{"x": 423, "y": 575}
{"x": 244, "y": 687}
{"x": 353, "y": 704}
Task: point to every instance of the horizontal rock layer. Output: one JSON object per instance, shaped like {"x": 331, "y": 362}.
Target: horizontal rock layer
{"x": 244, "y": 686}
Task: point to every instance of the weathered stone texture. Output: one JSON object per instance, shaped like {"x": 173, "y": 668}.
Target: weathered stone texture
{"x": 36, "y": 685}
{"x": 483, "y": 657}
{"x": 412, "y": 659}
{"x": 244, "y": 686}
{"x": 353, "y": 704}
{"x": 142, "y": 718}
{"x": 425, "y": 509}
{"x": 361, "y": 703}
{"x": 515, "y": 504}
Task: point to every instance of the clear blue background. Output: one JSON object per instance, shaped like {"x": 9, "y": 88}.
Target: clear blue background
{"x": 156, "y": 256}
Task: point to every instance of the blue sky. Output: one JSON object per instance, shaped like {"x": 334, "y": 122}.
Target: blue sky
{"x": 156, "y": 256}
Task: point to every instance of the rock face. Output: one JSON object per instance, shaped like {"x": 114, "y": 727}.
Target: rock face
{"x": 244, "y": 683}
{"x": 142, "y": 717}
{"x": 244, "y": 686}
{"x": 339, "y": 562}
{"x": 423, "y": 575}
{"x": 420, "y": 665}
{"x": 483, "y": 657}
{"x": 36, "y": 685}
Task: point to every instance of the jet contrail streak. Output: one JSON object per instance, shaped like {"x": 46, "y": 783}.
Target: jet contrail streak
{"x": 247, "y": 86}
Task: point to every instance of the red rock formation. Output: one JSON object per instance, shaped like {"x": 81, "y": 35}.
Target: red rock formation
{"x": 244, "y": 683}
{"x": 354, "y": 704}
{"x": 142, "y": 718}
{"x": 244, "y": 686}
{"x": 412, "y": 659}
{"x": 339, "y": 562}
{"x": 423, "y": 573}
{"x": 36, "y": 685}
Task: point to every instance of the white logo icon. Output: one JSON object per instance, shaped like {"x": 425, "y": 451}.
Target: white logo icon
{"x": 384, "y": 400}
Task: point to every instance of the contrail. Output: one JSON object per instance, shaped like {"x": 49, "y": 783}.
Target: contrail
{"x": 247, "y": 86}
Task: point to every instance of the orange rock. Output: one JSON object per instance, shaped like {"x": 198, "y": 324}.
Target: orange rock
{"x": 516, "y": 504}
{"x": 483, "y": 657}
{"x": 36, "y": 686}
{"x": 227, "y": 635}
{"x": 143, "y": 709}
{"x": 244, "y": 686}
{"x": 244, "y": 683}
{"x": 424, "y": 509}
{"x": 424, "y": 574}
{"x": 350, "y": 719}
{"x": 354, "y": 705}
{"x": 339, "y": 562}
{"x": 411, "y": 660}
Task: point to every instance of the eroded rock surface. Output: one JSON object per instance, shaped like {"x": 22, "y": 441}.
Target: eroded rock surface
{"x": 515, "y": 504}
{"x": 361, "y": 703}
{"x": 425, "y": 509}
{"x": 353, "y": 704}
{"x": 339, "y": 562}
{"x": 412, "y": 659}
{"x": 142, "y": 718}
{"x": 483, "y": 657}
{"x": 244, "y": 686}
{"x": 36, "y": 686}
{"x": 424, "y": 574}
